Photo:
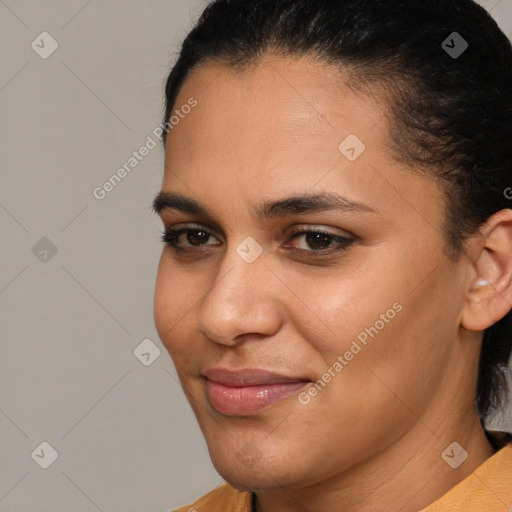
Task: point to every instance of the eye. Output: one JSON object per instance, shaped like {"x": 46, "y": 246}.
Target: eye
{"x": 321, "y": 242}
{"x": 196, "y": 237}
{"x": 316, "y": 242}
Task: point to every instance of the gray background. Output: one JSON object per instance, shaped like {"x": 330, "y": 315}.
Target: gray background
{"x": 126, "y": 437}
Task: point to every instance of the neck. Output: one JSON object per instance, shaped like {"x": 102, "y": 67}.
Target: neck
{"x": 413, "y": 473}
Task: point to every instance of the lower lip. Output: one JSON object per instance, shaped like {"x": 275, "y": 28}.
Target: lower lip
{"x": 240, "y": 401}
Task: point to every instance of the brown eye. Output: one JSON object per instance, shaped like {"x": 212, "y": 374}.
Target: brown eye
{"x": 318, "y": 241}
{"x": 195, "y": 237}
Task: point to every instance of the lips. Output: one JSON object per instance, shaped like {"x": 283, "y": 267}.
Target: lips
{"x": 248, "y": 377}
{"x": 248, "y": 391}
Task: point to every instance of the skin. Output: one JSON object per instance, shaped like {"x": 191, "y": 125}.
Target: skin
{"x": 372, "y": 438}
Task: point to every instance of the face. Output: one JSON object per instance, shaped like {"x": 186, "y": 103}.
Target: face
{"x": 358, "y": 321}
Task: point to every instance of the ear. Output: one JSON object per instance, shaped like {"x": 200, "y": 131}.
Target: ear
{"x": 489, "y": 296}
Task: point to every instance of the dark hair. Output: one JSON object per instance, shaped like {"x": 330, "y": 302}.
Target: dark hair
{"x": 452, "y": 114}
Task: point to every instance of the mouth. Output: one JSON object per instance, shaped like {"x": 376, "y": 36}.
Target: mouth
{"x": 248, "y": 391}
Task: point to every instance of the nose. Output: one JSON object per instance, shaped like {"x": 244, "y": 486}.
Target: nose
{"x": 243, "y": 300}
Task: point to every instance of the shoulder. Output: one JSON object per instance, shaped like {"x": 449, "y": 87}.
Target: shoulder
{"x": 224, "y": 498}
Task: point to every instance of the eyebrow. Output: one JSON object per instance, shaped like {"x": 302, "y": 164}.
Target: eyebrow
{"x": 293, "y": 205}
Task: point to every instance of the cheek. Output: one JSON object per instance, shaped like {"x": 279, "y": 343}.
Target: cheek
{"x": 395, "y": 363}
{"x": 163, "y": 301}
{"x": 344, "y": 307}
{"x": 172, "y": 307}
{"x": 376, "y": 322}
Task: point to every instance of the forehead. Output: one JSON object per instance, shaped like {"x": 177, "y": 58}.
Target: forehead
{"x": 281, "y": 126}
{"x": 299, "y": 96}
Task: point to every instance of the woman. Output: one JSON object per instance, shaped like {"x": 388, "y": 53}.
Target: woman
{"x": 336, "y": 286}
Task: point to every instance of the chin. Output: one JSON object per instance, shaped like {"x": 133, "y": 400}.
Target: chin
{"x": 249, "y": 479}
{"x": 252, "y": 467}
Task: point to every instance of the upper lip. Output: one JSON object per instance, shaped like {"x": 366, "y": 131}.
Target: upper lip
{"x": 248, "y": 377}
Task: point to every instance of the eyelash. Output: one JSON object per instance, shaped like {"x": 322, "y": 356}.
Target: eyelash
{"x": 170, "y": 237}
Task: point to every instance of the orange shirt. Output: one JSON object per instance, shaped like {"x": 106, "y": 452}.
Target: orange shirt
{"x": 487, "y": 489}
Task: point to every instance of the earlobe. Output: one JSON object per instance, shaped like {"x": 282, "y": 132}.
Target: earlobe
{"x": 489, "y": 297}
